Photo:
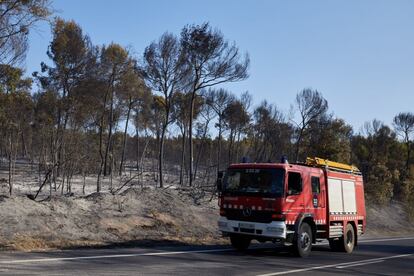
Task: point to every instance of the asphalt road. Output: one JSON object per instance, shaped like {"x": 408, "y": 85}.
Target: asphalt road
{"x": 387, "y": 256}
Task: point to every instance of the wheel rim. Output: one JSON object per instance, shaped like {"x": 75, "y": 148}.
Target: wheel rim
{"x": 305, "y": 240}
{"x": 349, "y": 238}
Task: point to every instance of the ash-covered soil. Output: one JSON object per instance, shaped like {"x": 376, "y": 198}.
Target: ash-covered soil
{"x": 388, "y": 220}
{"x": 137, "y": 216}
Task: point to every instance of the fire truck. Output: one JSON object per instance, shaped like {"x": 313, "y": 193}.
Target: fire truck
{"x": 292, "y": 204}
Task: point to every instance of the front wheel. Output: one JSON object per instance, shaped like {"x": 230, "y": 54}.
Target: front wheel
{"x": 302, "y": 244}
{"x": 240, "y": 243}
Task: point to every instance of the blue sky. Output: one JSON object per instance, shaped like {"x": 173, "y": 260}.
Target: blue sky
{"x": 358, "y": 54}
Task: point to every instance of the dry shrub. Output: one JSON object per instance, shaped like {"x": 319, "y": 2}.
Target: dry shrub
{"x": 23, "y": 242}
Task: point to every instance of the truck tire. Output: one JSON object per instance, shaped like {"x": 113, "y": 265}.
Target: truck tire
{"x": 345, "y": 243}
{"x": 348, "y": 240}
{"x": 302, "y": 243}
{"x": 240, "y": 243}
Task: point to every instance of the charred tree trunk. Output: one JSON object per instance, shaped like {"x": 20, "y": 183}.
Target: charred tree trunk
{"x": 24, "y": 146}
{"x": 101, "y": 155}
{"x": 161, "y": 159}
{"x": 137, "y": 144}
{"x": 125, "y": 138}
{"x": 407, "y": 164}
{"x": 238, "y": 146}
{"x": 182, "y": 165}
{"x": 161, "y": 148}
{"x": 190, "y": 139}
{"x": 10, "y": 157}
{"x": 219, "y": 146}
{"x": 230, "y": 146}
{"x": 109, "y": 139}
{"x": 98, "y": 182}
{"x": 202, "y": 145}
{"x": 298, "y": 144}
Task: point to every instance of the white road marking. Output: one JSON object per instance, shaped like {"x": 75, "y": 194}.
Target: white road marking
{"x": 112, "y": 256}
{"x": 374, "y": 240}
{"x": 389, "y": 239}
{"x": 335, "y": 265}
{"x": 363, "y": 263}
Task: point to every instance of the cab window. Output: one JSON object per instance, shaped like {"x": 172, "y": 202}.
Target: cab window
{"x": 294, "y": 183}
{"x": 316, "y": 189}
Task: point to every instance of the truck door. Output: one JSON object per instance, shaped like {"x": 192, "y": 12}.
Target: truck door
{"x": 294, "y": 198}
{"x": 318, "y": 198}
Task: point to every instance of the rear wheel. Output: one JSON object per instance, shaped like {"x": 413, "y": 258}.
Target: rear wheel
{"x": 240, "y": 242}
{"x": 345, "y": 243}
{"x": 302, "y": 244}
{"x": 348, "y": 241}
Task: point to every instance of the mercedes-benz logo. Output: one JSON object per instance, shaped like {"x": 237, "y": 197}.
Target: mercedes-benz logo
{"x": 247, "y": 212}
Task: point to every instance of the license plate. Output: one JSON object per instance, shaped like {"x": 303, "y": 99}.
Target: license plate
{"x": 246, "y": 225}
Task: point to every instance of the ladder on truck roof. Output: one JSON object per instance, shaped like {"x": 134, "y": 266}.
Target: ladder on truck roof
{"x": 331, "y": 165}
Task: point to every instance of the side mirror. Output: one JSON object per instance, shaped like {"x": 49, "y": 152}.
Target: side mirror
{"x": 219, "y": 182}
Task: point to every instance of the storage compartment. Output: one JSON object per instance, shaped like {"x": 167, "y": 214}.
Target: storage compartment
{"x": 341, "y": 196}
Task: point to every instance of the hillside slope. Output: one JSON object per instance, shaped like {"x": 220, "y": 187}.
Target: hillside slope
{"x": 138, "y": 216}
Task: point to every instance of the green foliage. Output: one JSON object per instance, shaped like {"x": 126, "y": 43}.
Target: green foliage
{"x": 378, "y": 184}
{"x": 11, "y": 79}
{"x": 236, "y": 116}
{"x": 16, "y": 103}
{"x": 69, "y": 45}
{"x": 17, "y": 17}
{"x": 330, "y": 138}
{"x": 212, "y": 59}
{"x": 45, "y": 109}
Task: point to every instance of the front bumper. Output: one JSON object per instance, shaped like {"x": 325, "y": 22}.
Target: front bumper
{"x": 275, "y": 229}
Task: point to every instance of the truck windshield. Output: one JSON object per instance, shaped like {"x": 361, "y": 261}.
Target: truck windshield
{"x": 254, "y": 181}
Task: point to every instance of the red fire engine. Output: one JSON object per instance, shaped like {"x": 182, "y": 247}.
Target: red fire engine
{"x": 293, "y": 204}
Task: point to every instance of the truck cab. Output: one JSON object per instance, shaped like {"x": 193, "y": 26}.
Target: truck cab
{"x": 282, "y": 203}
